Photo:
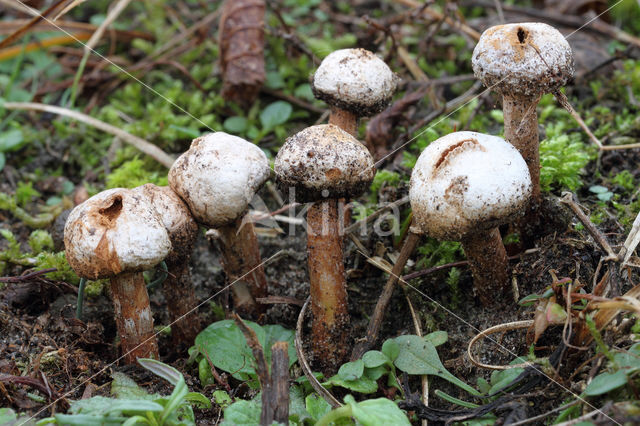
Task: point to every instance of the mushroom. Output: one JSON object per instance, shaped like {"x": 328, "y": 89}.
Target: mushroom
{"x": 462, "y": 187}
{"x": 117, "y": 234}
{"x": 177, "y": 287}
{"x": 522, "y": 62}
{"x": 217, "y": 178}
{"x": 355, "y": 83}
{"x": 322, "y": 164}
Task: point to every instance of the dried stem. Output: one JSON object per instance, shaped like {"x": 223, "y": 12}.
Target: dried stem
{"x": 133, "y": 317}
{"x": 328, "y": 287}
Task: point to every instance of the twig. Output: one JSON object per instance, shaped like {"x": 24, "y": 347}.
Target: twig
{"x": 497, "y": 329}
{"x": 498, "y": 6}
{"x": 139, "y": 143}
{"x": 256, "y": 349}
{"x": 548, "y": 413}
{"x": 315, "y": 384}
{"x": 363, "y": 222}
{"x": 97, "y": 35}
{"x": 26, "y": 277}
{"x": 35, "y": 20}
{"x": 434, "y": 14}
{"x": 424, "y": 378}
{"x": 275, "y": 402}
{"x": 564, "y": 102}
{"x": 383, "y": 302}
{"x": 567, "y": 199}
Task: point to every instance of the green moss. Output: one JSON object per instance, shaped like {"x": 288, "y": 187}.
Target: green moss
{"x": 136, "y": 172}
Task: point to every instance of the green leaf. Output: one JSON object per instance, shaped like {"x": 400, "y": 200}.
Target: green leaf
{"x": 222, "y": 398}
{"x": 7, "y": 415}
{"x": 629, "y": 361}
{"x": 198, "y": 399}
{"x": 161, "y": 369}
{"x": 297, "y": 410}
{"x": 606, "y": 382}
{"x": 88, "y": 420}
{"x": 124, "y": 387}
{"x": 391, "y": 349}
{"x": 437, "y": 338}
{"x": 3, "y": 161}
{"x": 377, "y": 412}
{"x": 351, "y": 370}
{"x": 455, "y": 400}
{"x": 193, "y": 133}
{"x": 376, "y": 372}
{"x": 373, "y": 359}
{"x": 419, "y": 356}
{"x": 235, "y": 124}
{"x": 316, "y": 406}
{"x": 275, "y": 114}
{"x": 362, "y": 385}
{"x": 227, "y": 348}
{"x": 10, "y": 140}
{"x": 242, "y": 413}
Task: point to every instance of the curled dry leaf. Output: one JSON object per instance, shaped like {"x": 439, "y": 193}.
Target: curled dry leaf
{"x": 241, "y": 39}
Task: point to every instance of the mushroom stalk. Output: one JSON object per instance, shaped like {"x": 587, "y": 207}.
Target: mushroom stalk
{"x": 328, "y": 286}
{"x": 242, "y": 264}
{"x": 344, "y": 119}
{"x": 489, "y": 265}
{"x": 179, "y": 293}
{"x": 521, "y": 130}
{"x": 133, "y": 317}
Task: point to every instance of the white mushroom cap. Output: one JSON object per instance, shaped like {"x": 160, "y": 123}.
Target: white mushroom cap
{"x": 114, "y": 231}
{"x": 175, "y": 217}
{"x": 218, "y": 176}
{"x": 355, "y": 80}
{"x": 323, "y": 161}
{"x": 466, "y": 182}
{"x": 527, "y": 58}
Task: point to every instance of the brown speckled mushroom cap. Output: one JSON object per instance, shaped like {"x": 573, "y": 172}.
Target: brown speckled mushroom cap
{"x": 467, "y": 182}
{"x": 523, "y": 59}
{"x": 175, "y": 217}
{"x": 218, "y": 176}
{"x": 112, "y": 232}
{"x": 355, "y": 80}
{"x": 322, "y": 162}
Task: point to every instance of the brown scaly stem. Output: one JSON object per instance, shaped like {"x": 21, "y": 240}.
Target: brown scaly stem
{"x": 241, "y": 254}
{"x": 521, "y": 130}
{"x": 330, "y": 331}
{"x": 133, "y": 317}
{"x": 489, "y": 265}
{"x": 181, "y": 301}
{"x": 383, "y": 302}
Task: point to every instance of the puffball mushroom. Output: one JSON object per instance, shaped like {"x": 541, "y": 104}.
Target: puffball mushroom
{"x": 117, "y": 234}
{"x": 355, "y": 83}
{"x": 522, "y": 62}
{"x": 462, "y": 187}
{"x": 322, "y": 164}
{"x": 217, "y": 178}
{"x": 177, "y": 287}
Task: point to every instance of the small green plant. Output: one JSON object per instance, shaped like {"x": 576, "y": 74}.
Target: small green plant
{"x": 562, "y": 159}
{"x": 225, "y": 346}
{"x": 134, "y": 405}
